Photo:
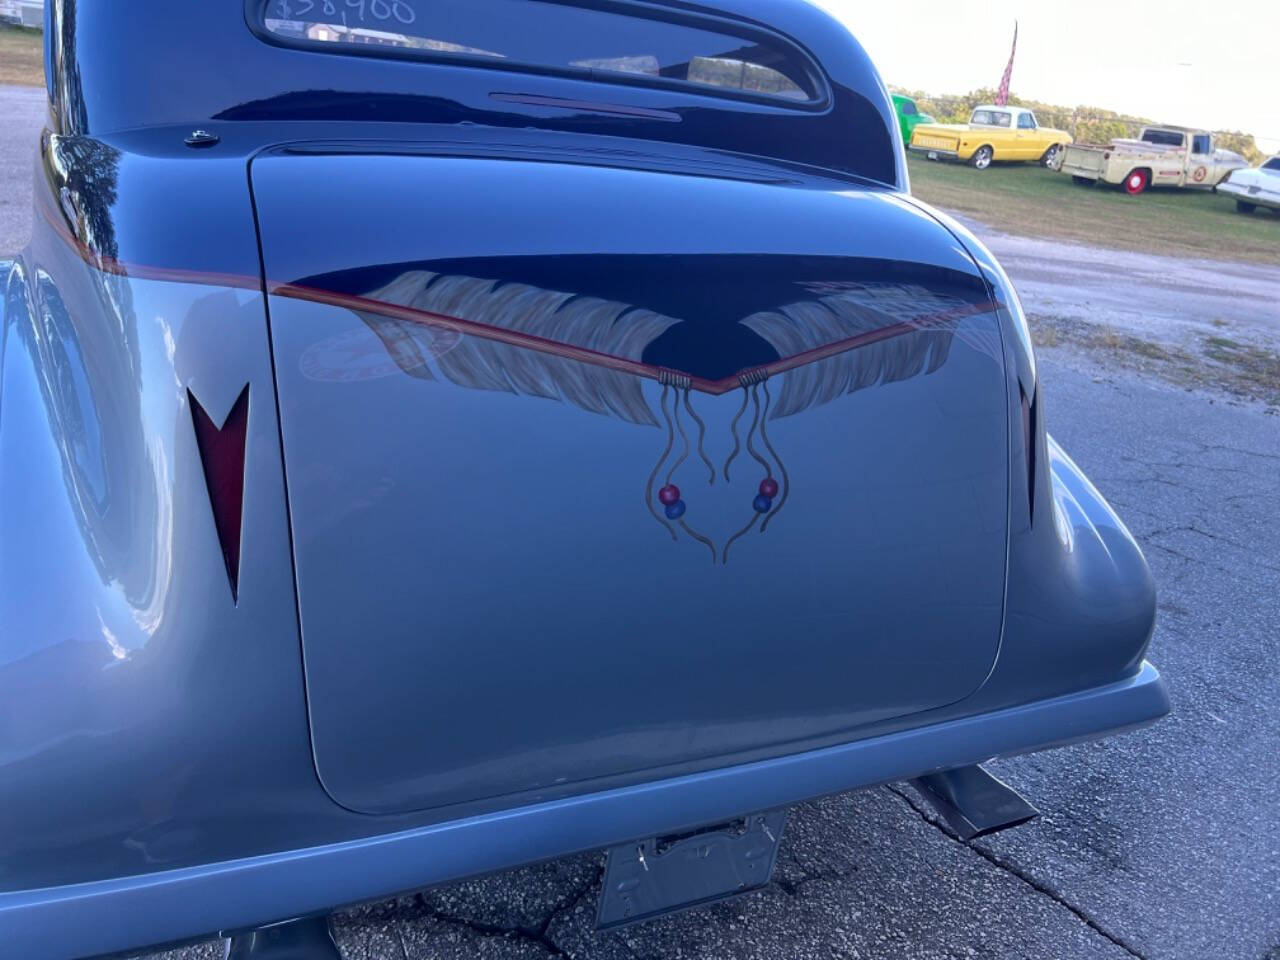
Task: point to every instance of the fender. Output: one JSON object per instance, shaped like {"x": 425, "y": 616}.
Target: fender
{"x": 132, "y": 680}
{"x": 1078, "y": 589}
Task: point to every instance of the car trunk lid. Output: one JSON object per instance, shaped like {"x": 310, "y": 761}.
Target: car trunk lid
{"x": 493, "y": 370}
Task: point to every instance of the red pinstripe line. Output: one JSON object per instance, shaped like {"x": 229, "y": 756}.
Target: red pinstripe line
{"x": 139, "y": 271}
{"x": 514, "y": 338}
{"x": 530, "y": 341}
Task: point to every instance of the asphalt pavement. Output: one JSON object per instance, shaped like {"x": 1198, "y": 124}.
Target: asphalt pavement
{"x": 22, "y": 111}
{"x": 1163, "y": 843}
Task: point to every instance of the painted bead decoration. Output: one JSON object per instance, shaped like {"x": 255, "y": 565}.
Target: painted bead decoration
{"x": 675, "y": 510}
{"x": 769, "y": 487}
{"x": 670, "y": 494}
{"x": 762, "y": 504}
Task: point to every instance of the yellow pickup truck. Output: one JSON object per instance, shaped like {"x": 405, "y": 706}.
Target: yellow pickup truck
{"x": 1160, "y": 157}
{"x": 992, "y": 133}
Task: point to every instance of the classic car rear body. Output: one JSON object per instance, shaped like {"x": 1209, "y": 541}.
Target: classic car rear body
{"x": 338, "y": 541}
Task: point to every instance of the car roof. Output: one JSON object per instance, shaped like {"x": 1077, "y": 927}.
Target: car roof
{"x": 105, "y": 84}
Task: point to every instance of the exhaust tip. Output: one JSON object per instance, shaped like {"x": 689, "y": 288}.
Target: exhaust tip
{"x": 973, "y": 802}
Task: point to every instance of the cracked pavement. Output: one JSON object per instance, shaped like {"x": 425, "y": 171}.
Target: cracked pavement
{"x": 1162, "y": 843}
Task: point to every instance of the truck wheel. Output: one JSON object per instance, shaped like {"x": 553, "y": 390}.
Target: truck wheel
{"x": 1136, "y": 182}
{"x": 981, "y": 158}
{"x": 1051, "y": 156}
{"x": 1244, "y": 206}
{"x": 1083, "y": 181}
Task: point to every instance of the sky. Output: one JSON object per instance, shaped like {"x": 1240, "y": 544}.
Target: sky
{"x": 1215, "y": 65}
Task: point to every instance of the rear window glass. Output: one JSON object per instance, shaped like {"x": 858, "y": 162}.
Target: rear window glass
{"x": 1272, "y": 164}
{"x": 991, "y": 118}
{"x": 598, "y": 43}
{"x": 1165, "y": 138}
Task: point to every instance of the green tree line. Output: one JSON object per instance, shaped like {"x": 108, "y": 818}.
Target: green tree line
{"x": 1085, "y": 124}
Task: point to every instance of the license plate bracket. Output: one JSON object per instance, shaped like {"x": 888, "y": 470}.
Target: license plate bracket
{"x": 660, "y": 875}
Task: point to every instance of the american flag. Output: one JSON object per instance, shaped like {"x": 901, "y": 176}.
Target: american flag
{"x": 1002, "y": 95}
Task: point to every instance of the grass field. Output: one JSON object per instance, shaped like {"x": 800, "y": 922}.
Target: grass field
{"x": 21, "y": 56}
{"x": 1028, "y": 199}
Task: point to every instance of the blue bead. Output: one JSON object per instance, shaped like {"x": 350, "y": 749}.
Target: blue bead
{"x": 762, "y": 504}
{"x": 675, "y": 510}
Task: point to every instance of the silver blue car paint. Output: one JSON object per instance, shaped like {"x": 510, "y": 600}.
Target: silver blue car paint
{"x": 157, "y": 774}
{"x": 235, "y": 768}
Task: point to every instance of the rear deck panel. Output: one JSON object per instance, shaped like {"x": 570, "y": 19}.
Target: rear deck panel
{"x": 499, "y": 603}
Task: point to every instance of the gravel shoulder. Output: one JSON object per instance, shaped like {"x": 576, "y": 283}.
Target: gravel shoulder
{"x": 1202, "y": 325}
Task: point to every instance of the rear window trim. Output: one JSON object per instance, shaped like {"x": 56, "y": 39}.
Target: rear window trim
{"x": 254, "y": 15}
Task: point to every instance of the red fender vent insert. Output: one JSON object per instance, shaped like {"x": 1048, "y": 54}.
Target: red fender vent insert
{"x": 222, "y": 453}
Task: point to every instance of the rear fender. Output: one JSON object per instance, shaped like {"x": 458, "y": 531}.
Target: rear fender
{"x": 131, "y": 679}
{"x": 1079, "y": 599}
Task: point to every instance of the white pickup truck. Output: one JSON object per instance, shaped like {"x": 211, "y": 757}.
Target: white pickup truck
{"x": 1160, "y": 157}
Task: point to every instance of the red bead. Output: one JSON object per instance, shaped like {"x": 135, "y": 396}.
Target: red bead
{"x": 669, "y": 494}
{"x": 769, "y": 487}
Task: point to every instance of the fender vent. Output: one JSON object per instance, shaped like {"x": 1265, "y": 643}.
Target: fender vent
{"x": 222, "y": 454}
{"x": 1029, "y": 449}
